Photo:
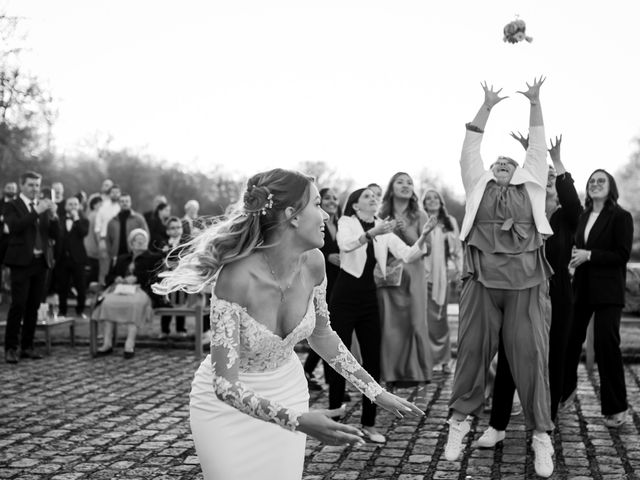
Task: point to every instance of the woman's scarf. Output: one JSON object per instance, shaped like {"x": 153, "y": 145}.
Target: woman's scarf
{"x": 437, "y": 266}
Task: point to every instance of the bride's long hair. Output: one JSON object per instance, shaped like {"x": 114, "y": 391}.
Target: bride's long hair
{"x": 243, "y": 230}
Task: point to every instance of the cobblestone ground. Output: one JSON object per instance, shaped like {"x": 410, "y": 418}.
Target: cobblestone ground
{"x": 73, "y": 417}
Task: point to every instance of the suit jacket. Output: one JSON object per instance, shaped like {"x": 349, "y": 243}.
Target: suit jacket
{"x": 72, "y": 242}
{"x": 564, "y": 222}
{"x": 135, "y": 220}
{"x": 22, "y": 234}
{"x": 601, "y": 280}
{"x": 4, "y": 237}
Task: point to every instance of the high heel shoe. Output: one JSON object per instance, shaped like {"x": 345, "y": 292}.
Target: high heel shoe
{"x": 103, "y": 353}
{"x": 128, "y": 355}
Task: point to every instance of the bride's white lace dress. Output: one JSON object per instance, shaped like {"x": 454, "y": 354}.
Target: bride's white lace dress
{"x": 247, "y": 395}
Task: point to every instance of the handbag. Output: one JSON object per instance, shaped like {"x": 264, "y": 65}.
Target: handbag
{"x": 394, "y": 273}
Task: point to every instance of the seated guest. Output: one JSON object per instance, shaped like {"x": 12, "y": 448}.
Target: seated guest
{"x": 128, "y": 299}
{"x": 72, "y": 256}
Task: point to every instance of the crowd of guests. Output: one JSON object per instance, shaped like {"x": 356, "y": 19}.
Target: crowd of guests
{"x": 533, "y": 266}
{"x": 53, "y": 247}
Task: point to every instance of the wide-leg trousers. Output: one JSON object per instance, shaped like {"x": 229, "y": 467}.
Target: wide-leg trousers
{"x": 561, "y": 297}
{"x": 524, "y": 317}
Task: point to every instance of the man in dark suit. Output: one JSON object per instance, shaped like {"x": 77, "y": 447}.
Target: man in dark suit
{"x": 32, "y": 224}
{"x": 70, "y": 265}
{"x": 9, "y": 193}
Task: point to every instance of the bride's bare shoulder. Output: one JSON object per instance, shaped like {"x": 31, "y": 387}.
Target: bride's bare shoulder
{"x": 235, "y": 279}
{"x": 315, "y": 264}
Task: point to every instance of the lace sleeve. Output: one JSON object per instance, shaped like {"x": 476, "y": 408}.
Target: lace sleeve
{"x": 325, "y": 341}
{"x": 225, "y": 345}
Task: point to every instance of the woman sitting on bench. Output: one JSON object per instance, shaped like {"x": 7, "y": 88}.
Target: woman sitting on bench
{"x": 128, "y": 299}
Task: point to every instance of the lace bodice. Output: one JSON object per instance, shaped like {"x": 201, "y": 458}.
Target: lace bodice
{"x": 239, "y": 343}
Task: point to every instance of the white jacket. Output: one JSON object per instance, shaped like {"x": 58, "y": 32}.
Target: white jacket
{"x": 533, "y": 174}
{"x": 353, "y": 254}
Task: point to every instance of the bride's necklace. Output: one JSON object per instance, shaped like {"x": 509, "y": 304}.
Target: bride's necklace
{"x": 284, "y": 290}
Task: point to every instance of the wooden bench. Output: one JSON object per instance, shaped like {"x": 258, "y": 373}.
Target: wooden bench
{"x": 59, "y": 321}
{"x": 196, "y": 311}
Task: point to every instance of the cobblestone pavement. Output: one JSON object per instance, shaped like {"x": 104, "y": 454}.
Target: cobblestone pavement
{"x": 73, "y": 417}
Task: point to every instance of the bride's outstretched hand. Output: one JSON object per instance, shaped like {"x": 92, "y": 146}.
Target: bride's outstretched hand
{"x": 533, "y": 90}
{"x": 318, "y": 424}
{"x": 398, "y": 406}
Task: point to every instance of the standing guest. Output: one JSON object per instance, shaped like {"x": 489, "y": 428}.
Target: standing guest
{"x": 443, "y": 267}
{"x": 32, "y": 222}
{"x": 249, "y": 399}
{"x": 602, "y": 249}
{"x": 505, "y": 280}
{"x": 105, "y": 188}
{"x": 135, "y": 268}
{"x": 157, "y": 200}
{"x": 377, "y": 191}
{"x": 91, "y": 241}
{"x": 171, "y": 253}
{"x": 331, "y": 252}
{"x": 158, "y": 227}
{"x": 363, "y": 241}
{"x": 403, "y": 306}
{"x": 58, "y": 197}
{"x": 121, "y": 226}
{"x": 83, "y": 198}
{"x": 562, "y": 209}
{"x": 70, "y": 265}
{"x": 9, "y": 193}
{"x": 189, "y": 223}
{"x": 109, "y": 209}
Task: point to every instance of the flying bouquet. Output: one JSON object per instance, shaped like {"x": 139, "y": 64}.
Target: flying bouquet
{"x": 514, "y": 32}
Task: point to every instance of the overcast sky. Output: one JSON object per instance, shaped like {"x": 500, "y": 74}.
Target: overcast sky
{"x": 370, "y": 87}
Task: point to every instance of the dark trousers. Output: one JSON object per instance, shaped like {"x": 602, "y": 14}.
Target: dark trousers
{"x": 561, "y": 323}
{"x": 606, "y": 339}
{"x": 92, "y": 269}
{"x": 311, "y": 363}
{"x": 67, "y": 273}
{"x": 27, "y": 292}
{"x": 165, "y": 322}
{"x": 364, "y": 319}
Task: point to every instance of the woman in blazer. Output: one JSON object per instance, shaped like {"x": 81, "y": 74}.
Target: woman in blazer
{"x": 364, "y": 241}
{"x": 603, "y": 246}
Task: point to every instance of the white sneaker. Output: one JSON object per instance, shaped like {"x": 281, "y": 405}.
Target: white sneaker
{"x": 490, "y": 438}
{"x": 457, "y": 432}
{"x": 543, "y": 452}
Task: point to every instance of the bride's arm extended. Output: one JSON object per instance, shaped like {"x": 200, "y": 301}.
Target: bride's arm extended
{"x": 225, "y": 345}
{"x": 326, "y": 342}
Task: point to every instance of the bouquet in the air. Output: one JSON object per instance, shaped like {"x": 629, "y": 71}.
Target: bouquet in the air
{"x": 514, "y": 31}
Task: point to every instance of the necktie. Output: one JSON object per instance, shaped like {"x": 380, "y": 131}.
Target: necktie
{"x": 38, "y": 245}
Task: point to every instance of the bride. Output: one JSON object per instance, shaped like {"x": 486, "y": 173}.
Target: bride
{"x": 249, "y": 399}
